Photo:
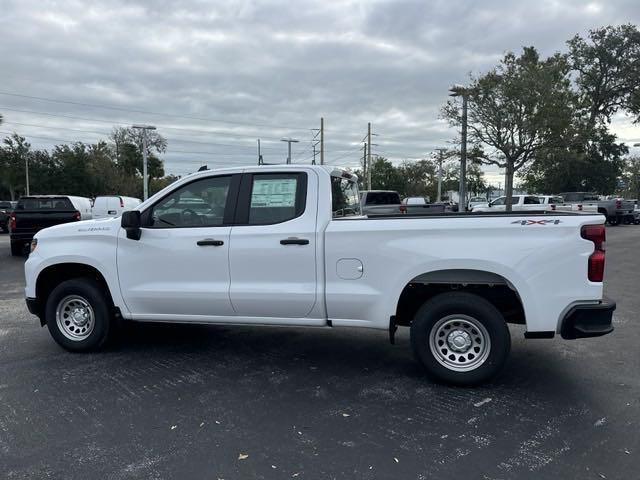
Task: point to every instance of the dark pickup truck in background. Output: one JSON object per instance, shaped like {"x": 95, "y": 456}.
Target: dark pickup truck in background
{"x": 33, "y": 213}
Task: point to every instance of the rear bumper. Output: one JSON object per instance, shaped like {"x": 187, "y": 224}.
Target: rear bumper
{"x": 591, "y": 320}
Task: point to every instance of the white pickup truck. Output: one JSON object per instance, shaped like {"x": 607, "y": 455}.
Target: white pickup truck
{"x": 287, "y": 245}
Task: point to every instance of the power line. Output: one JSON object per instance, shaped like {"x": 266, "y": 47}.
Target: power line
{"x": 107, "y": 134}
{"x": 147, "y": 112}
{"x": 119, "y": 124}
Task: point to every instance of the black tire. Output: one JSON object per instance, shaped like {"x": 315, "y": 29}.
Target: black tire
{"x": 91, "y": 292}
{"x": 613, "y": 221}
{"x": 17, "y": 248}
{"x": 470, "y": 308}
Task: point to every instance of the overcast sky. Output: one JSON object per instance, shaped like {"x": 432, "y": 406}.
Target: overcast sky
{"x": 214, "y": 76}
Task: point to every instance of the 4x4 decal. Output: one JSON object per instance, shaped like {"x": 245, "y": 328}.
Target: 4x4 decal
{"x": 536, "y": 222}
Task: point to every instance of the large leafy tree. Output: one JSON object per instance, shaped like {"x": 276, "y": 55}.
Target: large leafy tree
{"x": 516, "y": 110}
{"x": 607, "y": 71}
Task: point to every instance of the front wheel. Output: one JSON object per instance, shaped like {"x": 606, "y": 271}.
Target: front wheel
{"x": 460, "y": 338}
{"x": 78, "y": 315}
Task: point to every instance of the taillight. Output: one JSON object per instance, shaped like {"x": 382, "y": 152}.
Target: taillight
{"x": 76, "y": 216}
{"x": 403, "y": 209}
{"x": 618, "y": 204}
{"x": 12, "y": 221}
{"x": 596, "y": 234}
{"x": 121, "y": 203}
{"x": 579, "y": 207}
{"x": 553, "y": 207}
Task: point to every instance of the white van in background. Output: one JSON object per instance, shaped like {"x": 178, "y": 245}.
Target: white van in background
{"x": 113, "y": 205}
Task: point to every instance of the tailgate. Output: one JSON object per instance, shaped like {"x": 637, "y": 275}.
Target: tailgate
{"x": 37, "y": 220}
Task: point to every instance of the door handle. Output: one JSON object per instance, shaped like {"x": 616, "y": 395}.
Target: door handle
{"x": 294, "y": 241}
{"x": 210, "y": 241}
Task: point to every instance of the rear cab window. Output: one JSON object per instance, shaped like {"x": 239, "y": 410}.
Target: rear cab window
{"x": 48, "y": 203}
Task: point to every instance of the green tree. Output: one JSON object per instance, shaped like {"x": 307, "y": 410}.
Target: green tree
{"x": 607, "y": 71}
{"x": 14, "y": 153}
{"x": 516, "y": 110}
{"x": 419, "y": 178}
{"x": 631, "y": 178}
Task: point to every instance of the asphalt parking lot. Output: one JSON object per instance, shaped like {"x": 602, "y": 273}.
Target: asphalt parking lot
{"x": 247, "y": 402}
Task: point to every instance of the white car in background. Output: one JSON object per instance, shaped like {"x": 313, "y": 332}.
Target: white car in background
{"x": 478, "y": 202}
{"x": 113, "y": 205}
{"x": 518, "y": 203}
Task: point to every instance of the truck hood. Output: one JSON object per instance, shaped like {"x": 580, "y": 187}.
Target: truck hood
{"x": 99, "y": 226}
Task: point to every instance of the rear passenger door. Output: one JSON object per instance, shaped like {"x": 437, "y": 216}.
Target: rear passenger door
{"x": 272, "y": 253}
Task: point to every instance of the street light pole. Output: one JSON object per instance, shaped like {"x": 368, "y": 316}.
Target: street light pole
{"x": 145, "y": 175}
{"x": 289, "y": 142}
{"x": 460, "y": 91}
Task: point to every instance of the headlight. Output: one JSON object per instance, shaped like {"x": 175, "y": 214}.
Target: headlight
{"x": 34, "y": 244}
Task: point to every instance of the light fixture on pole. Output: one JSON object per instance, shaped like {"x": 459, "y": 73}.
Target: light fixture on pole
{"x": 289, "y": 142}
{"x": 145, "y": 176}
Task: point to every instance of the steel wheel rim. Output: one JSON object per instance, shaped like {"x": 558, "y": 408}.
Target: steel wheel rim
{"x": 459, "y": 342}
{"x": 75, "y": 318}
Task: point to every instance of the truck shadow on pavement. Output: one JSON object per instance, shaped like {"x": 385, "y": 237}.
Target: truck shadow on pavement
{"x": 343, "y": 354}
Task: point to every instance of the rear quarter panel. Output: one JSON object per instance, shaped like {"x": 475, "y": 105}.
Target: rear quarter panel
{"x": 545, "y": 263}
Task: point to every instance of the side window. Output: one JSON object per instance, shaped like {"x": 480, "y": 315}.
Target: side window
{"x": 276, "y": 197}
{"x": 196, "y": 204}
{"x": 344, "y": 197}
{"x": 498, "y": 201}
{"x": 531, "y": 200}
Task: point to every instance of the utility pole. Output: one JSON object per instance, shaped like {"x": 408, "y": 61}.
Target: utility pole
{"x": 313, "y": 162}
{"x": 460, "y": 91}
{"x": 26, "y": 170}
{"x": 462, "y": 204}
{"x": 145, "y": 175}
{"x": 260, "y": 161}
{"x": 289, "y": 142}
{"x": 369, "y": 156}
{"x": 321, "y": 140}
{"x": 441, "y": 152}
{"x": 364, "y": 162}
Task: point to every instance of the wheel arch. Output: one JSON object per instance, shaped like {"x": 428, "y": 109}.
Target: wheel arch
{"x": 54, "y": 275}
{"x": 489, "y": 285}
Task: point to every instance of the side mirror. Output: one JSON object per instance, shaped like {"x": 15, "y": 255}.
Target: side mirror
{"x": 131, "y": 222}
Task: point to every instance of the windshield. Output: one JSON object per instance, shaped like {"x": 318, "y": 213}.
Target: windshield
{"x": 344, "y": 197}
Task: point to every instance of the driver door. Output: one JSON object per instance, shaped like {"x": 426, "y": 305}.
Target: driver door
{"x": 179, "y": 269}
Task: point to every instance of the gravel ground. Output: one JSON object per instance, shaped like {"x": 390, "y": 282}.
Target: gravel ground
{"x": 278, "y": 403}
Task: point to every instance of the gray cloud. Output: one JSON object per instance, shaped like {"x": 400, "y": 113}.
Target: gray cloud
{"x": 277, "y": 64}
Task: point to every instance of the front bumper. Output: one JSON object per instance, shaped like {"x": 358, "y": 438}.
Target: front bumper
{"x": 592, "y": 320}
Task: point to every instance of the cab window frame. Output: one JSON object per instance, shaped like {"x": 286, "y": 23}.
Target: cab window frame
{"x": 243, "y": 209}
{"x": 229, "y": 208}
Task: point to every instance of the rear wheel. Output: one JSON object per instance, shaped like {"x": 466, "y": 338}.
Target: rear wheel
{"x": 78, "y": 315}
{"x": 17, "y": 248}
{"x": 460, "y": 338}
{"x": 613, "y": 221}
